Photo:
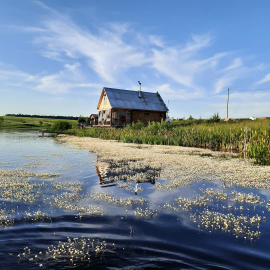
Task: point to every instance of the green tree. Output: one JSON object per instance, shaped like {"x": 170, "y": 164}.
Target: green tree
{"x": 87, "y": 119}
{"x": 61, "y": 125}
{"x": 190, "y": 117}
{"x": 81, "y": 119}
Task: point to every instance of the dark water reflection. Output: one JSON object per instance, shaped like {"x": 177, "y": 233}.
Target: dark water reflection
{"x": 168, "y": 240}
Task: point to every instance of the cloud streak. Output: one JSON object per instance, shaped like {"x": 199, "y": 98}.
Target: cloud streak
{"x": 117, "y": 55}
{"x": 112, "y": 51}
{"x": 69, "y": 78}
{"x": 265, "y": 79}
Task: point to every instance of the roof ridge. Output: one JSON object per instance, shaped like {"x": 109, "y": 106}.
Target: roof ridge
{"x": 128, "y": 90}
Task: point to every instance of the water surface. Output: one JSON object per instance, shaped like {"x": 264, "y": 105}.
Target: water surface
{"x": 166, "y": 239}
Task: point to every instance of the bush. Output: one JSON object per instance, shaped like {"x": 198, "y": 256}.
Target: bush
{"x": 1, "y": 119}
{"x": 214, "y": 119}
{"x": 74, "y": 125}
{"x": 48, "y": 126}
{"x": 81, "y": 119}
{"x": 61, "y": 125}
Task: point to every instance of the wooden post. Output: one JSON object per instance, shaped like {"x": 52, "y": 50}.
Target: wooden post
{"x": 228, "y": 104}
{"x": 111, "y": 117}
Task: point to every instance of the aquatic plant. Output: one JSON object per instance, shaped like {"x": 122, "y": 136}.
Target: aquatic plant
{"x": 251, "y": 139}
{"x": 75, "y": 251}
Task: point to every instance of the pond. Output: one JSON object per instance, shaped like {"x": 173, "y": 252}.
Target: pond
{"x": 60, "y": 210}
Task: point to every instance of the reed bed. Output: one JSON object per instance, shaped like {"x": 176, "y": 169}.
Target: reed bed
{"x": 252, "y": 139}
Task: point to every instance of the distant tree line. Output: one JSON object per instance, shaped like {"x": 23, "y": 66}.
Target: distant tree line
{"x": 45, "y": 116}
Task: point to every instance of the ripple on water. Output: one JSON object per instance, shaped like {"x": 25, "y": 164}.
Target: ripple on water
{"x": 138, "y": 230}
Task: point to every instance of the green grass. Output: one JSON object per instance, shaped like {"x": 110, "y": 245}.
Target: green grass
{"x": 251, "y": 137}
{"x": 28, "y": 122}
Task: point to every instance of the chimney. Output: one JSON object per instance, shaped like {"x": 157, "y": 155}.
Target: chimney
{"x": 140, "y": 90}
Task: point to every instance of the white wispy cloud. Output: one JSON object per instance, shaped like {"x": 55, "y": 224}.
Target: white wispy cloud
{"x": 112, "y": 51}
{"x": 156, "y": 40}
{"x": 69, "y": 78}
{"x": 237, "y": 62}
{"x": 165, "y": 88}
{"x": 174, "y": 93}
{"x": 181, "y": 64}
{"x": 235, "y": 72}
{"x": 26, "y": 29}
{"x": 198, "y": 42}
{"x": 224, "y": 82}
{"x": 181, "y": 71}
{"x": 105, "y": 52}
{"x": 14, "y": 76}
{"x": 52, "y": 55}
{"x": 265, "y": 79}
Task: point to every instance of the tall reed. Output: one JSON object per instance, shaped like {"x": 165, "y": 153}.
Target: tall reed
{"x": 248, "y": 137}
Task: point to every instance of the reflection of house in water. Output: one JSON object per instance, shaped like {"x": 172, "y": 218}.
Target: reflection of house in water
{"x": 109, "y": 172}
{"x": 102, "y": 174}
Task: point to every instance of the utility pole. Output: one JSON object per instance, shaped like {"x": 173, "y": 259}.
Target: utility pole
{"x": 167, "y": 114}
{"x": 228, "y": 104}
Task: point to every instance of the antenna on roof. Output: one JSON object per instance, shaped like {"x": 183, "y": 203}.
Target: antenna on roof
{"x": 140, "y": 90}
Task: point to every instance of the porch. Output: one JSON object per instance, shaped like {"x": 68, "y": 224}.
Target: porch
{"x": 114, "y": 118}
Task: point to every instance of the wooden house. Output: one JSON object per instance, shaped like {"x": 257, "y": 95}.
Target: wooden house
{"x": 118, "y": 108}
{"x": 93, "y": 119}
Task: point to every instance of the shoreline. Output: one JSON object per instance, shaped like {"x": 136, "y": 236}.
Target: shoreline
{"x": 19, "y": 127}
{"x": 179, "y": 165}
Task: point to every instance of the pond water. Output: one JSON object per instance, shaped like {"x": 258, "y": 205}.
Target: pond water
{"x": 50, "y": 192}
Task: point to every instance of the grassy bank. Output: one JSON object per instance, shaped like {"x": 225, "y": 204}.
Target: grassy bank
{"x": 28, "y": 122}
{"x": 249, "y": 137}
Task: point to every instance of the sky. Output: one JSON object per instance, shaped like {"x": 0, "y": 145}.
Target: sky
{"x": 56, "y": 56}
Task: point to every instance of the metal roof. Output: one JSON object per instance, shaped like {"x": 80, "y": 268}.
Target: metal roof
{"x": 129, "y": 99}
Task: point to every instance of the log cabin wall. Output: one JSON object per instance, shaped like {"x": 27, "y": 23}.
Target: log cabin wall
{"x": 147, "y": 116}
{"x": 121, "y": 117}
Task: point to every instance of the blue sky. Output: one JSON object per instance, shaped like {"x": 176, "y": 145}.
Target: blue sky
{"x": 57, "y": 55}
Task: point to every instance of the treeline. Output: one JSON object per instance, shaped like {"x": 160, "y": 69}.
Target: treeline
{"x": 45, "y": 116}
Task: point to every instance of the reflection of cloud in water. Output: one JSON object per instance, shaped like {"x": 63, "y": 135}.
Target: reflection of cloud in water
{"x": 263, "y": 192}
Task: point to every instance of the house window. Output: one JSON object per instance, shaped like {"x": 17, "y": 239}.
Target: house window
{"x": 146, "y": 114}
{"x": 105, "y": 100}
{"x": 160, "y": 114}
